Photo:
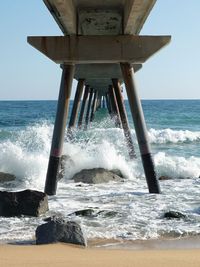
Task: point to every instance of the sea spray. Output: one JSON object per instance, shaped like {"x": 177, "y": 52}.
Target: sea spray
{"x": 96, "y": 155}
{"x": 177, "y": 167}
{"x": 26, "y": 154}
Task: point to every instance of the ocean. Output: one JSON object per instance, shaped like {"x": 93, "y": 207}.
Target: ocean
{"x": 174, "y": 132}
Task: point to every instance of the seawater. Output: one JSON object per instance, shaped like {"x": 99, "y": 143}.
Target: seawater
{"x": 174, "y": 132}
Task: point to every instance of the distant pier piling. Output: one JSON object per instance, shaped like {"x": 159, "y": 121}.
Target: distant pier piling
{"x": 85, "y": 97}
{"x": 88, "y": 108}
{"x": 76, "y": 104}
{"x": 103, "y": 102}
{"x": 114, "y": 106}
{"x": 108, "y": 103}
{"x": 93, "y": 106}
{"x": 124, "y": 119}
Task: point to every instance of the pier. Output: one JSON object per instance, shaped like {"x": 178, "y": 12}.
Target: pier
{"x": 101, "y": 48}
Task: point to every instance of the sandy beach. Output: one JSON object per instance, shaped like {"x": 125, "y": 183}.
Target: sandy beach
{"x": 66, "y": 255}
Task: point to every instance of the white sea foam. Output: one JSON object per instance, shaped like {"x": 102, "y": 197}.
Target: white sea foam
{"x": 177, "y": 167}
{"x": 173, "y": 136}
{"x": 96, "y": 155}
{"x": 27, "y": 154}
{"x": 139, "y": 214}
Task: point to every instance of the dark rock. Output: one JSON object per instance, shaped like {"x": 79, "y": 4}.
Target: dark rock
{"x": 79, "y": 185}
{"x": 95, "y": 176}
{"x": 84, "y": 213}
{"x": 108, "y": 213}
{"x": 55, "y": 219}
{"x": 27, "y": 202}
{"x": 163, "y": 178}
{"x": 174, "y": 215}
{"x": 6, "y": 177}
{"x": 91, "y": 213}
{"x": 60, "y": 231}
{"x": 118, "y": 172}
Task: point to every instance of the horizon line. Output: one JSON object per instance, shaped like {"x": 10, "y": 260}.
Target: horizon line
{"x": 143, "y": 99}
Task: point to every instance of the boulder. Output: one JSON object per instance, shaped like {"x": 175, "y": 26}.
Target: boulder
{"x": 174, "y": 215}
{"x": 96, "y": 176}
{"x": 6, "y": 177}
{"x": 27, "y": 202}
{"x": 59, "y": 230}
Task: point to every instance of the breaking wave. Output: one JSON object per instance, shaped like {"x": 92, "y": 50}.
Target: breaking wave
{"x": 173, "y": 136}
{"x": 26, "y": 154}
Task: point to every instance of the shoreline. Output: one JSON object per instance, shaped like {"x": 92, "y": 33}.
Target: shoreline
{"x": 183, "y": 243}
{"x": 191, "y": 242}
{"x": 58, "y": 255}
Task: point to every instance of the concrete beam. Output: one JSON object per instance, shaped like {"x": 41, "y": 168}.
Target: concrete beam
{"x": 64, "y": 13}
{"x": 103, "y": 81}
{"x": 99, "y": 49}
{"x": 100, "y": 71}
{"x": 96, "y": 17}
{"x": 135, "y": 14}
{"x": 99, "y": 21}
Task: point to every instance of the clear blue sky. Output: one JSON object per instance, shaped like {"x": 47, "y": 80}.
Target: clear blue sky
{"x": 174, "y": 72}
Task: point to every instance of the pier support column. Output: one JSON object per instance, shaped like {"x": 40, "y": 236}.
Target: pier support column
{"x": 85, "y": 97}
{"x": 124, "y": 119}
{"x": 88, "y": 108}
{"x": 140, "y": 128}
{"x": 103, "y": 102}
{"x": 93, "y": 106}
{"x": 76, "y": 104}
{"x": 59, "y": 129}
{"x": 114, "y": 106}
{"x": 98, "y": 102}
{"x": 108, "y": 103}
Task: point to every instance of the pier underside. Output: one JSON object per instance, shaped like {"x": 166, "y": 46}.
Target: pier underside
{"x": 101, "y": 48}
